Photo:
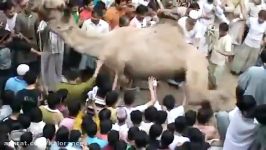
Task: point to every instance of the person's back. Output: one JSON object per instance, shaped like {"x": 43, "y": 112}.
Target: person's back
{"x": 50, "y": 114}
{"x": 253, "y": 82}
{"x": 17, "y": 83}
{"x": 242, "y": 128}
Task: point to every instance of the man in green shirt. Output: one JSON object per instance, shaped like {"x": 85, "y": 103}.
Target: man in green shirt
{"x": 76, "y": 89}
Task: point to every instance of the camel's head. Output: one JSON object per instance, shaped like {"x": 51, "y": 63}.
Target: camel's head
{"x": 48, "y": 9}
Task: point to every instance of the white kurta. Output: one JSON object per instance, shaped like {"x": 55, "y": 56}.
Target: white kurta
{"x": 240, "y": 132}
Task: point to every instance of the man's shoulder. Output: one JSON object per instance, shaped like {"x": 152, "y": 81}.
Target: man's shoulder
{"x": 86, "y": 22}
{"x": 104, "y": 23}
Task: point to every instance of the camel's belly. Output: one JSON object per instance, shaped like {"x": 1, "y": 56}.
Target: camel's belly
{"x": 160, "y": 72}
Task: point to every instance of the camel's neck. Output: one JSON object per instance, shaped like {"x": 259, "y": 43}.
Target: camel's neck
{"x": 79, "y": 40}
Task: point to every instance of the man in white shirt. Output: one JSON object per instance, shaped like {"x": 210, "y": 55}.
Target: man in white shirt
{"x": 121, "y": 125}
{"x": 11, "y": 16}
{"x": 98, "y": 26}
{"x": 242, "y": 128}
{"x": 140, "y": 20}
{"x": 250, "y": 49}
{"x": 190, "y": 26}
{"x": 221, "y": 49}
{"x": 179, "y": 139}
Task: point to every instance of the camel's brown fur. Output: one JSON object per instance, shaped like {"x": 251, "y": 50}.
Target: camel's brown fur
{"x": 158, "y": 51}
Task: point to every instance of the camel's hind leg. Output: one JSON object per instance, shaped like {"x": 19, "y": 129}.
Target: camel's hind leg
{"x": 197, "y": 79}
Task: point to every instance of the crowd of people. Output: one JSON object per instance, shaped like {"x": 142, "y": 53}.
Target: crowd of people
{"x": 55, "y": 98}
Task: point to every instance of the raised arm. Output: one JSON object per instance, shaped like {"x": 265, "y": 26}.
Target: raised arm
{"x": 152, "y": 87}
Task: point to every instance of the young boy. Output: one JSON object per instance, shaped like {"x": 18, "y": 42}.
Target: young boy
{"x": 222, "y": 49}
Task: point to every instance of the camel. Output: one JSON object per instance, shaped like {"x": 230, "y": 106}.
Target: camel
{"x": 158, "y": 51}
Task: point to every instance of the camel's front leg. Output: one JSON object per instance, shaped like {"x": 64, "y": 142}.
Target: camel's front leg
{"x": 99, "y": 65}
{"x": 115, "y": 81}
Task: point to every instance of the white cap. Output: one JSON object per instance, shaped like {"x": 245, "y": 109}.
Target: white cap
{"x": 193, "y": 14}
{"x": 22, "y": 69}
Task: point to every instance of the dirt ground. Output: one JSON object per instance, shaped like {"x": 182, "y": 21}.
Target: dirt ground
{"x": 226, "y": 87}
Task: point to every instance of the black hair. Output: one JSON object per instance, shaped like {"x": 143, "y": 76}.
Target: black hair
{"x": 210, "y": 1}
{"x": 129, "y": 97}
{"x": 113, "y": 137}
{"x": 74, "y": 136}
{"x": 263, "y": 56}
{"x": 204, "y": 113}
{"x": 180, "y": 124}
{"x": 169, "y": 102}
{"x": 262, "y": 13}
{"x": 239, "y": 93}
{"x": 194, "y": 135}
{"x": 171, "y": 127}
{"x": 36, "y": 115}
{"x": 24, "y": 120}
{"x": 94, "y": 146}
{"x": 92, "y": 129}
{"x": 224, "y": 27}
{"x": 104, "y": 114}
{"x": 26, "y": 139}
{"x": 62, "y": 94}
{"x": 166, "y": 139}
{"x": 150, "y": 114}
{"x": 100, "y": 6}
{"x": 191, "y": 116}
{"x": 86, "y": 2}
{"x": 260, "y": 114}
{"x": 74, "y": 108}
{"x": 97, "y": 13}
{"x": 123, "y": 21}
{"x": 30, "y": 77}
{"x": 111, "y": 98}
{"x": 247, "y": 106}
{"x": 102, "y": 91}
{"x": 62, "y": 136}
{"x": 105, "y": 126}
{"x": 155, "y": 131}
{"x": 131, "y": 134}
{"x": 136, "y": 117}
{"x": 141, "y": 10}
{"x": 118, "y": 2}
{"x": 86, "y": 121}
{"x": 102, "y": 79}
{"x": 141, "y": 139}
{"x": 120, "y": 145}
{"x": 7, "y": 97}
{"x": 6, "y": 5}
{"x": 52, "y": 100}
{"x": 16, "y": 106}
{"x": 49, "y": 131}
{"x": 161, "y": 117}
{"x": 194, "y": 6}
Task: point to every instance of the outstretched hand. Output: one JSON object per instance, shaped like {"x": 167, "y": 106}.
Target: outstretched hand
{"x": 152, "y": 82}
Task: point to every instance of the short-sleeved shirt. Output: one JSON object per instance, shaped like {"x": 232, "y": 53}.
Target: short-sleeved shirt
{"x": 51, "y": 116}
{"x": 29, "y": 99}
{"x": 15, "y": 84}
{"x": 255, "y": 33}
{"x": 224, "y": 44}
{"x": 101, "y": 27}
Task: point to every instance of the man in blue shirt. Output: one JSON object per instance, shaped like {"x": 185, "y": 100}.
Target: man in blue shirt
{"x": 17, "y": 83}
{"x": 91, "y": 132}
